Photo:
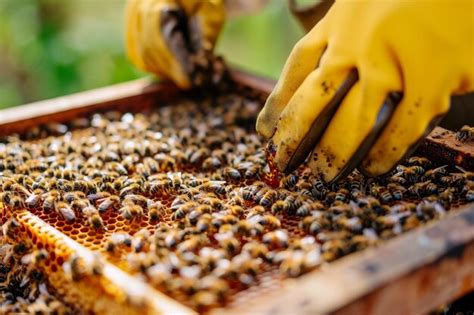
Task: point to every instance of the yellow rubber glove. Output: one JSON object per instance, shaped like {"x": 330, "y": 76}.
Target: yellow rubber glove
{"x": 421, "y": 48}
{"x": 162, "y": 35}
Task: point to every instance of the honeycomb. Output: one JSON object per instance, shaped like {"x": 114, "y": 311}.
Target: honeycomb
{"x": 175, "y": 209}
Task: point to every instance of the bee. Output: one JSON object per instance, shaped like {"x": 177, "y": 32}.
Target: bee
{"x": 192, "y": 243}
{"x": 93, "y": 217}
{"x": 382, "y": 193}
{"x": 117, "y": 239}
{"x": 217, "y": 187}
{"x": 117, "y": 167}
{"x": 251, "y": 171}
{"x": 435, "y": 173}
{"x": 289, "y": 181}
{"x": 203, "y": 300}
{"x": 333, "y": 249}
{"x": 20, "y": 189}
{"x": 215, "y": 285}
{"x": 35, "y": 257}
{"x": 341, "y": 194}
{"x": 247, "y": 194}
{"x": 199, "y": 155}
{"x": 297, "y": 262}
{"x": 277, "y": 238}
{"x": 9, "y": 228}
{"x": 398, "y": 179}
{"x": 130, "y": 189}
{"x": 108, "y": 203}
{"x": 15, "y": 202}
{"x": 66, "y": 211}
{"x": 465, "y": 134}
{"x": 456, "y": 180}
{"x": 306, "y": 208}
{"x": 215, "y": 203}
{"x": 268, "y": 198}
{"x": 447, "y": 196}
{"x": 420, "y": 161}
{"x": 155, "y": 210}
{"x": 396, "y": 190}
{"x": 229, "y": 243}
{"x": 257, "y": 210}
{"x": 279, "y": 206}
{"x": 235, "y": 210}
{"x": 49, "y": 199}
{"x": 75, "y": 268}
{"x": 231, "y": 173}
{"x": 248, "y": 227}
{"x": 181, "y": 210}
{"x": 255, "y": 249}
{"x": 204, "y": 223}
{"x": 130, "y": 211}
{"x": 140, "y": 240}
{"x": 242, "y": 265}
{"x": 470, "y": 195}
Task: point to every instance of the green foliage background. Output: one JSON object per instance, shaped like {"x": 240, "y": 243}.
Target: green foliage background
{"x": 50, "y": 48}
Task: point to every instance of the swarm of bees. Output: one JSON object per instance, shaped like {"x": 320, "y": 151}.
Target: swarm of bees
{"x": 189, "y": 183}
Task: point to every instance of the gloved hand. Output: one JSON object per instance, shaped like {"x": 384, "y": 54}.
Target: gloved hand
{"x": 163, "y": 35}
{"x": 423, "y": 49}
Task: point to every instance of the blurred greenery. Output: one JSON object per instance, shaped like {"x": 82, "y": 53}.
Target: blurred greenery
{"x": 50, "y": 48}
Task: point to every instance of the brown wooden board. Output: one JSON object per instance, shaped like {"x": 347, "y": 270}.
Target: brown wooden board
{"x": 412, "y": 273}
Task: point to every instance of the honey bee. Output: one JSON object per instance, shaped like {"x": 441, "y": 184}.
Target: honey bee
{"x": 65, "y": 210}
{"x": 155, "y": 210}
{"x": 130, "y": 189}
{"x": 255, "y": 249}
{"x": 279, "y": 206}
{"x": 16, "y": 202}
{"x": 130, "y": 210}
{"x": 382, "y": 193}
{"x": 117, "y": 167}
{"x": 203, "y": 300}
{"x": 420, "y": 161}
{"x": 231, "y": 173}
{"x": 277, "y": 238}
{"x": 306, "y": 208}
{"x": 192, "y": 243}
{"x": 75, "y": 268}
{"x": 257, "y": 210}
{"x": 35, "y": 257}
{"x": 396, "y": 190}
{"x": 268, "y": 198}
{"x": 435, "y": 173}
{"x": 289, "y": 181}
{"x": 215, "y": 285}
{"x": 118, "y": 239}
{"x": 229, "y": 243}
{"x": 204, "y": 223}
{"x": 140, "y": 240}
{"x": 235, "y": 210}
{"x": 465, "y": 134}
{"x": 9, "y": 228}
{"x": 93, "y": 217}
{"x": 198, "y": 156}
{"x": 108, "y": 203}
{"x": 252, "y": 171}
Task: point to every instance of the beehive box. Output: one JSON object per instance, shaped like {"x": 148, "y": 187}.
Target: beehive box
{"x": 413, "y": 272}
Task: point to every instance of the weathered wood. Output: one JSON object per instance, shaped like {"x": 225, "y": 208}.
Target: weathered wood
{"x": 442, "y": 147}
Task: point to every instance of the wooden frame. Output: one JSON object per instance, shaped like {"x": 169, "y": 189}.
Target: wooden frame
{"x": 412, "y": 273}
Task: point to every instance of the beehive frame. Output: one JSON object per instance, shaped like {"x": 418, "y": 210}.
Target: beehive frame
{"x": 412, "y": 273}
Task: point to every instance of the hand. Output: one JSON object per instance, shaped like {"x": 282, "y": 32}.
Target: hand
{"x": 332, "y": 96}
{"x": 163, "y": 35}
